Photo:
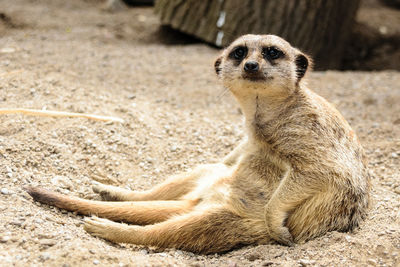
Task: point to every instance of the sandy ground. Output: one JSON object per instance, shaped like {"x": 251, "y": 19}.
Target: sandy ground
{"x": 71, "y": 56}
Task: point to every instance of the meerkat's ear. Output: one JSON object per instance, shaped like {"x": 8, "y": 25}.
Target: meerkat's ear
{"x": 303, "y": 63}
{"x": 217, "y": 65}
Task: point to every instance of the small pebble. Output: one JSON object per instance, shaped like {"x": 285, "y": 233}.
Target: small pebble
{"x": 253, "y": 256}
{"x": 267, "y": 263}
{"x": 144, "y": 251}
{"x": 4, "y": 239}
{"x": 38, "y": 221}
{"x": 279, "y": 254}
{"x": 397, "y": 190}
{"x": 371, "y": 262}
{"x": 179, "y": 252}
{"x": 45, "y": 256}
{"x": 45, "y": 236}
{"x": 96, "y": 262}
{"x": 16, "y": 223}
{"x": 304, "y": 262}
{"x": 4, "y": 191}
{"x": 47, "y": 242}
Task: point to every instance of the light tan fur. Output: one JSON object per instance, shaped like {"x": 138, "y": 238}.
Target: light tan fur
{"x": 300, "y": 173}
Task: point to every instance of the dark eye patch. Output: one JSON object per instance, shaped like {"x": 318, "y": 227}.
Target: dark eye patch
{"x": 272, "y": 53}
{"x": 238, "y": 53}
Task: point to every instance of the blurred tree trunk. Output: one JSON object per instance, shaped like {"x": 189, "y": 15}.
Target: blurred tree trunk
{"x": 318, "y": 27}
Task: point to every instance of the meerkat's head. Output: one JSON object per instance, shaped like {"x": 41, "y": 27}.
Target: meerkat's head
{"x": 261, "y": 64}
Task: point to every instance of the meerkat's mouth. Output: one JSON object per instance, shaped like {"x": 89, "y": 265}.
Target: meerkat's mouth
{"x": 255, "y": 78}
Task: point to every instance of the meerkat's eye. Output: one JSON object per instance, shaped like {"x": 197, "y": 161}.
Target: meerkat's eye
{"x": 272, "y": 53}
{"x": 239, "y": 53}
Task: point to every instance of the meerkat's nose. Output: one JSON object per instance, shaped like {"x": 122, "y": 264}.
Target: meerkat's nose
{"x": 251, "y": 66}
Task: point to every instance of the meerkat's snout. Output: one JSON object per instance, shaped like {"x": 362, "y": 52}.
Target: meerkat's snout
{"x": 252, "y": 71}
{"x": 251, "y": 66}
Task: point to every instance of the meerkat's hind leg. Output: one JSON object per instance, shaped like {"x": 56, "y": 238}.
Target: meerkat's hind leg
{"x": 137, "y": 212}
{"x": 173, "y": 188}
{"x": 112, "y": 193}
{"x": 200, "y": 231}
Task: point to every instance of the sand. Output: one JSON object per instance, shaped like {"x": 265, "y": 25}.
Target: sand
{"x": 72, "y": 56}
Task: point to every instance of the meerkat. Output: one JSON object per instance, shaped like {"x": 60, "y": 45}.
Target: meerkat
{"x": 300, "y": 172}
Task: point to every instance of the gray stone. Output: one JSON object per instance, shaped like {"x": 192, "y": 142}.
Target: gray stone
{"x": 5, "y": 191}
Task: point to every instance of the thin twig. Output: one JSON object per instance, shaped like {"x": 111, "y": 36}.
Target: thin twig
{"x": 51, "y": 113}
{"x": 13, "y": 72}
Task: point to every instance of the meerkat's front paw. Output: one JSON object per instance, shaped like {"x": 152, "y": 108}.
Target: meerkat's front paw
{"x": 282, "y": 236}
{"x": 278, "y": 231}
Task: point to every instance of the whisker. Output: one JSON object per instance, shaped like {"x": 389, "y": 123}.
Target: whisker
{"x": 222, "y": 94}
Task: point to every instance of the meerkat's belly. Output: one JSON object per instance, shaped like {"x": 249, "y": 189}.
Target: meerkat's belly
{"x": 246, "y": 186}
{"x": 214, "y": 185}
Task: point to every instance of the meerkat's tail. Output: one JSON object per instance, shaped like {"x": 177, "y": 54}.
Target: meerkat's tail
{"x": 82, "y": 206}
